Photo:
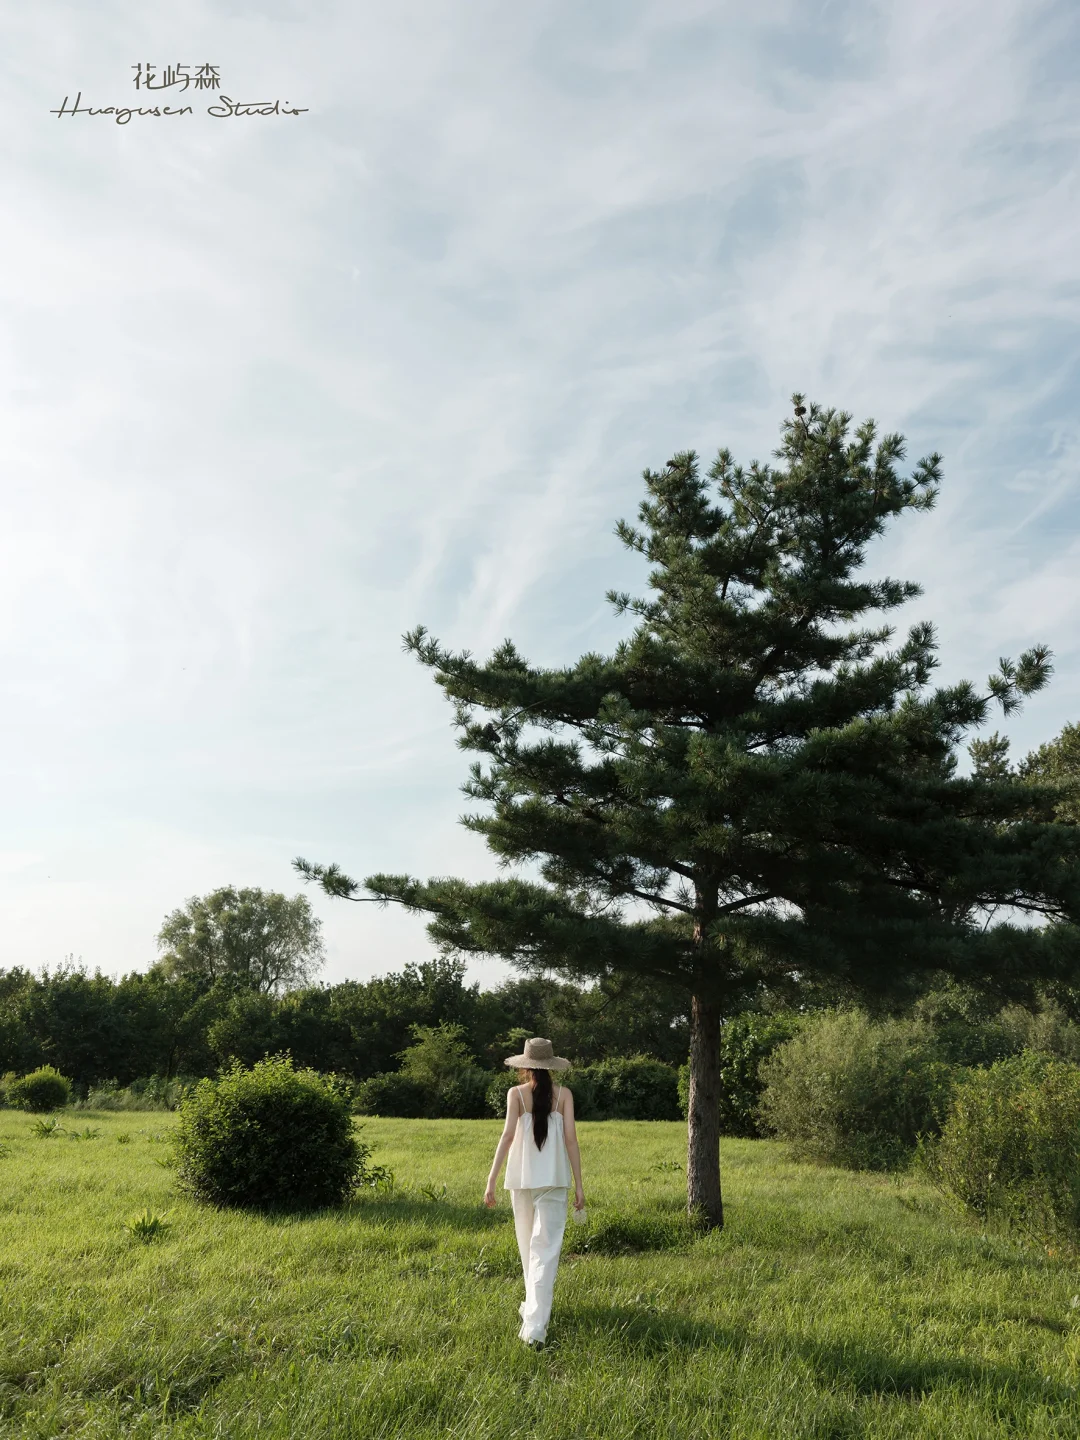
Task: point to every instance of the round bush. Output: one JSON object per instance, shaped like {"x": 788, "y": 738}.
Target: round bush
{"x": 42, "y": 1090}
{"x": 853, "y": 1091}
{"x": 271, "y": 1137}
{"x": 1010, "y": 1144}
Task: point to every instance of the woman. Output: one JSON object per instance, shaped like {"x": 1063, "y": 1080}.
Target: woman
{"x": 540, "y": 1139}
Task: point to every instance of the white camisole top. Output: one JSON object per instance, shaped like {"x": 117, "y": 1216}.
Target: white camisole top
{"x": 528, "y": 1168}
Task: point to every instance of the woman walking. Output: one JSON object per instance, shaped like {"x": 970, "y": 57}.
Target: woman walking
{"x": 541, "y": 1142}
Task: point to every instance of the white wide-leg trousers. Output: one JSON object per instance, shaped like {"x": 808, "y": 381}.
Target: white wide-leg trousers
{"x": 540, "y": 1220}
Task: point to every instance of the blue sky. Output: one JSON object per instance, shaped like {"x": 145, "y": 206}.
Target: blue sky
{"x": 276, "y": 389}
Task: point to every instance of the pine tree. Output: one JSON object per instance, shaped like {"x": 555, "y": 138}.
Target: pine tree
{"x": 754, "y": 788}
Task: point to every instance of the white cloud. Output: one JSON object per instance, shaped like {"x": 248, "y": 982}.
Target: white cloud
{"x": 273, "y": 391}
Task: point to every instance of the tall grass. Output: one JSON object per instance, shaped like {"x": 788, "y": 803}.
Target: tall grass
{"x": 155, "y": 1093}
{"x": 833, "y": 1305}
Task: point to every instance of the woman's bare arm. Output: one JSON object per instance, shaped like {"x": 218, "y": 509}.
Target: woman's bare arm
{"x": 566, "y": 1105}
{"x": 506, "y": 1139}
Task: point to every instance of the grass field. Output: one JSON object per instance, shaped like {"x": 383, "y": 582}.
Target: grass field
{"x": 832, "y": 1305}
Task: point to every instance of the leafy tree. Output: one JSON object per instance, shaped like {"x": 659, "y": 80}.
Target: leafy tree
{"x": 437, "y": 1055}
{"x": 441, "y": 1065}
{"x": 314, "y": 1033}
{"x": 1058, "y": 763}
{"x": 101, "y": 1030}
{"x": 380, "y": 1013}
{"x": 755, "y": 787}
{"x": 20, "y": 1049}
{"x": 619, "y": 1016}
{"x": 257, "y": 939}
{"x": 82, "y": 1023}
{"x": 247, "y": 1029}
{"x": 1055, "y": 768}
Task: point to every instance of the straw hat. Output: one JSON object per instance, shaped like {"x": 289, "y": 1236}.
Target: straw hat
{"x": 538, "y": 1056}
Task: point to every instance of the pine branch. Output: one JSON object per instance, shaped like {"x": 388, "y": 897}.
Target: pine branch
{"x": 333, "y": 881}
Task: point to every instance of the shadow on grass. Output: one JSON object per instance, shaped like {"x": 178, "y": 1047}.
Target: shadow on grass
{"x": 616, "y": 1233}
{"x": 407, "y": 1209}
{"x": 867, "y": 1371}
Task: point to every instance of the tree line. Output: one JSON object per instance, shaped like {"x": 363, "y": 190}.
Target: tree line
{"x": 96, "y": 1029}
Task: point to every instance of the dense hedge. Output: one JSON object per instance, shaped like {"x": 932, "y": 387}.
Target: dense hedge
{"x": 98, "y": 1030}
{"x": 391, "y": 1094}
{"x": 634, "y": 1088}
{"x": 462, "y": 1097}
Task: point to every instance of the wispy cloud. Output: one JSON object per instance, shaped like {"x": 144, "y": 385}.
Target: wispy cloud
{"x": 276, "y": 390}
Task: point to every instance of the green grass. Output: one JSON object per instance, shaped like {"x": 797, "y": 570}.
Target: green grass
{"x": 832, "y": 1305}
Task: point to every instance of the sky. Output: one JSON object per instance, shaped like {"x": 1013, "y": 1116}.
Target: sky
{"x": 276, "y": 388}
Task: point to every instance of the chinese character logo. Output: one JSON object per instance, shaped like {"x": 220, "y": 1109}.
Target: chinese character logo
{"x": 206, "y": 77}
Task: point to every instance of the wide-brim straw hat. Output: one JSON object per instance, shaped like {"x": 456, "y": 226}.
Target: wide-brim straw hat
{"x": 538, "y": 1055}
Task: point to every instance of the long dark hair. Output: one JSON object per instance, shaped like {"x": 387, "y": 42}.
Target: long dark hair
{"x": 541, "y": 1105}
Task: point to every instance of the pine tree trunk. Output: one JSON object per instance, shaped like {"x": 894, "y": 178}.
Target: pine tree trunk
{"x": 703, "y": 1198}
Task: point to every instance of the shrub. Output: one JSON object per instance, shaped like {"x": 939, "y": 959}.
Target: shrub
{"x": 437, "y": 1055}
{"x": 1047, "y": 1030}
{"x": 970, "y": 1045}
{"x": 465, "y": 1096}
{"x": 854, "y": 1091}
{"x": 392, "y": 1094}
{"x": 580, "y": 1082}
{"x": 746, "y": 1042}
{"x": 966, "y": 1024}
{"x": 269, "y": 1137}
{"x": 583, "y": 1086}
{"x": 147, "y": 1227}
{"x": 47, "y": 1129}
{"x": 498, "y": 1089}
{"x": 634, "y": 1088}
{"x": 155, "y": 1092}
{"x": 1010, "y": 1144}
{"x": 462, "y": 1097}
{"x": 438, "y": 1080}
{"x": 40, "y": 1091}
